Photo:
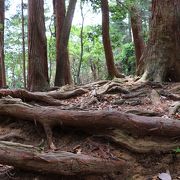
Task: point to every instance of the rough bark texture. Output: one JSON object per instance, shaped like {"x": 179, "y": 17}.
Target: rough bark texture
{"x": 161, "y": 59}
{"x": 60, "y": 12}
{"x": 112, "y": 71}
{"x": 62, "y": 62}
{"x": 23, "y": 44}
{"x": 28, "y": 157}
{"x": 139, "y": 125}
{"x": 136, "y": 25}
{"x": 37, "y": 47}
{"x": 2, "y": 66}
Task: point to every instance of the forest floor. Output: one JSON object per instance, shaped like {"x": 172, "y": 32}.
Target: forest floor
{"x": 144, "y": 99}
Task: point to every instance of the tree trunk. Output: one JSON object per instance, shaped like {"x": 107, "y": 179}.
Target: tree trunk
{"x": 37, "y": 47}
{"x": 30, "y": 158}
{"x": 2, "y": 66}
{"x": 82, "y": 44}
{"x": 136, "y": 24}
{"x": 112, "y": 71}
{"x": 161, "y": 59}
{"x": 62, "y": 63}
{"x": 23, "y": 44}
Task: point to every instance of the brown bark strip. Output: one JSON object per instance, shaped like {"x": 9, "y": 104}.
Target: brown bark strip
{"x": 27, "y": 157}
{"x": 134, "y": 124}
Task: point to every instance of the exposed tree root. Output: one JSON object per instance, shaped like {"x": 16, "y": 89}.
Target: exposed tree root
{"x": 49, "y": 98}
{"x": 10, "y": 136}
{"x": 96, "y": 120}
{"x": 112, "y": 87}
{"x": 169, "y": 95}
{"x": 60, "y": 162}
{"x": 30, "y": 96}
{"x": 144, "y": 113}
{"x": 67, "y": 94}
{"x": 175, "y": 107}
{"x": 140, "y": 145}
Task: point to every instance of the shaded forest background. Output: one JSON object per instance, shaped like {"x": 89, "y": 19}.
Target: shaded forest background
{"x": 86, "y": 51}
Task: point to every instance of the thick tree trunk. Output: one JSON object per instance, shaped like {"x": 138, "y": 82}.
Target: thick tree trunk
{"x": 60, "y": 12}
{"x": 136, "y": 24}
{"x": 2, "y": 65}
{"x": 62, "y": 62}
{"x": 112, "y": 71}
{"x": 161, "y": 59}
{"x": 30, "y": 158}
{"x": 37, "y": 47}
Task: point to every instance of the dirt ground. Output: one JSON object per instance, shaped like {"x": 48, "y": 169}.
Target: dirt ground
{"x": 143, "y": 101}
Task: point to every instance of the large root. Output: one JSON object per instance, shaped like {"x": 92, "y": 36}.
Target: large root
{"x": 94, "y": 120}
{"x": 28, "y": 157}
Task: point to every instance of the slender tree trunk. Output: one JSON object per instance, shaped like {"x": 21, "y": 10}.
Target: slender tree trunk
{"x": 82, "y": 44}
{"x": 2, "y": 65}
{"x": 37, "y": 47}
{"x": 161, "y": 59}
{"x": 63, "y": 75}
{"x": 112, "y": 71}
{"x": 129, "y": 27}
{"x": 136, "y": 24}
{"x": 93, "y": 69}
{"x": 23, "y": 44}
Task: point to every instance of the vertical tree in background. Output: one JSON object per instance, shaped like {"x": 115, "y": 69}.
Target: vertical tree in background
{"x": 161, "y": 59}
{"x": 63, "y": 76}
{"x": 82, "y": 43}
{"x": 136, "y": 25}
{"x": 2, "y": 66}
{"x": 60, "y": 12}
{"x": 37, "y": 47}
{"x": 112, "y": 71}
{"x": 23, "y": 43}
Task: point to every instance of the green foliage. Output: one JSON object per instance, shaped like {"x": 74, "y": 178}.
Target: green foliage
{"x": 177, "y": 150}
{"x": 127, "y": 58}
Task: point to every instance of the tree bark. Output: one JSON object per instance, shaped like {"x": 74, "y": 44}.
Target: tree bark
{"x": 82, "y": 44}
{"x": 47, "y": 98}
{"x": 60, "y": 12}
{"x": 100, "y": 120}
{"x": 23, "y": 44}
{"x": 30, "y": 158}
{"x": 136, "y": 24}
{"x": 2, "y": 65}
{"x": 112, "y": 71}
{"x": 37, "y": 47}
{"x": 161, "y": 59}
{"x": 62, "y": 63}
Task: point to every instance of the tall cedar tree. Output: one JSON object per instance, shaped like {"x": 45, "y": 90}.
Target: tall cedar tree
{"x": 60, "y": 12}
{"x": 112, "y": 71}
{"x": 161, "y": 59}
{"x": 2, "y": 66}
{"x": 37, "y": 47}
{"x": 62, "y": 63}
{"x": 136, "y": 25}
